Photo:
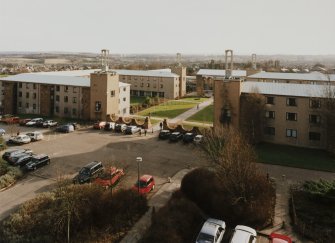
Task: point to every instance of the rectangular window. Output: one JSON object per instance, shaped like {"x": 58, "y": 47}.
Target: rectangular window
{"x": 34, "y": 86}
{"x": 34, "y": 96}
{"x": 270, "y": 114}
{"x": 161, "y": 86}
{"x": 27, "y": 86}
{"x": 56, "y": 109}
{"x": 270, "y": 100}
{"x": 74, "y": 111}
{"x": 315, "y": 119}
{"x": 112, "y": 93}
{"x": 74, "y": 100}
{"x": 66, "y": 110}
{"x": 75, "y": 89}
{"x": 20, "y": 94}
{"x": 124, "y": 89}
{"x": 148, "y": 85}
{"x": 314, "y": 103}
{"x": 315, "y": 136}
{"x": 291, "y": 102}
{"x": 57, "y": 88}
{"x": 270, "y": 131}
{"x": 27, "y": 105}
{"x": 20, "y": 85}
{"x": 20, "y": 104}
{"x": 57, "y": 97}
{"x": 27, "y": 95}
{"x": 291, "y": 116}
{"x": 291, "y": 133}
{"x": 124, "y": 110}
{"x": 124, "y": 98}
{"x": 66, "y": 88}
{"x": 66, "y": 99}
{"x": 34, "y": 106}
{"x": 142, "y": 84}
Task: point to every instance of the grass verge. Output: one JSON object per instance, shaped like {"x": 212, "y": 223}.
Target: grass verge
{"x": 205, "y": 115}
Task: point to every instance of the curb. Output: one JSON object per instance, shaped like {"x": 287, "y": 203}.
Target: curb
{"x": 7, "y": 187}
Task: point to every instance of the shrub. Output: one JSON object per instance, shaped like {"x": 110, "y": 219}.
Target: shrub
{"x": 8, "y": 174}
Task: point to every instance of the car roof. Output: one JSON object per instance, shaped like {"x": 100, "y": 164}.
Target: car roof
{"x": 278, "y": 238}
{"x": 165, "y": 131}
{"x": 21, "y": 154}
{"x": 209, "y": 228}
{"x": 189, "y": 133}
{"x": 242, "y": 234}
{"x": 146, "y": 177}
{"x": 92, "y": 164}
{"x": 39, "y": 156}
{"x": 176, "y": 133}
{"x": 199, "y": 136}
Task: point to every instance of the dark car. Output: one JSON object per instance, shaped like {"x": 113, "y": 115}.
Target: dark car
{"x": 120, "y": 127}
{"x": 132, "y": 130}
{"x": 164, "y": 134}
{"x": 89, "y": 172}
{"x": 65, "y": 128}
{"x": 23, "y": 122}
{"x": 188, "y": 137}
{"x": 20, "y": 159}
{"x": 37, "y": 161}
{"x": 109, "y": 126}
{"x": 175, "y": 136}
{"x": 9, "y": 153}
{"x": 39, "y": 123}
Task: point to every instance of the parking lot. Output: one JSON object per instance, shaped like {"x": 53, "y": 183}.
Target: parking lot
{"x": 69, "y": 152}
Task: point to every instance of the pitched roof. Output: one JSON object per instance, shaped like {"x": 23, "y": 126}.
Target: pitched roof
{"x": 221, "y": 73}
{"x": 312, "y": 76}
{"x": 286, "y": 89}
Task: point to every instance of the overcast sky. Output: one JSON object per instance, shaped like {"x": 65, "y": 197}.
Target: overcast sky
{"x": 169, "y": 26}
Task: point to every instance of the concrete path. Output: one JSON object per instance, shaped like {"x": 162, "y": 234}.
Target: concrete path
{"x": 157, "y": 201}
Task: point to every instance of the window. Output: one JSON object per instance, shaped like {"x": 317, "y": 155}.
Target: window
{"x": 124, "y": 89}
{"x": 270, "y": 131}
{"x": 56, "y": 109}
{"x": 74, "y": 100}
{"x": 148, "y": 85}
{"x": 20, "y": 85}
{"x": 315, "y": 136}
{"x": 27, "y": 86}
{"x": 291, "y": 102}
{"x": 20, "y": 104}
{"x": 75, "y": 89}
{"x": 74, "y": 111}
{"x": 142, "y": 84}
{"x": 20, "y": 94}
{"x": 66, "y": 110}
{"x": 34, "y": 86}
{"x": 270, "y": 114}
{"x": 270, "y": 100}
{"x": 291, "y": 116}
{"x": 316, "y": 119}
{"x": 34, "y": 95}
{"x": 124, "y": 110}
{"x": 314, "y": 103}
{"x": 57, "y": 97}
{"x": 161, "y": 86}
{"x": 112, "y": 93}
{"x": 66, "y": 99}
{"x": 34, "y": 106}
{"x": 57, "y": 88}
{"x": 27, "y": 105}
{"x": 66, "y": 88}
{"x": 124, "y": 98}
{"x": 27, "y": 95}
{"x": 291, "y": 133}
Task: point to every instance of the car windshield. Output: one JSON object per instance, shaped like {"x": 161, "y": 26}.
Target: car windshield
{"x": 141, "y": 183}
{"x": 204, "y": 238}
{"x": 84, "y": 171}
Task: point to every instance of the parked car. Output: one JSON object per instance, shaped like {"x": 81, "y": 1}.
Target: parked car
{"x": 145, "y": 184}
{"x": 65, "y": 128}
{"x": 99, "y": 125}
{"x": 212, "y": 231}
{"x": 278, "y": 238}
{"x": 164, "y": 134}
{"x": 198, "y": 139}
{"x": 23, "y": 122}
{"x": 11, "y": 152}
{"x": 20, "y": 159}
{"x": 188, "y": 137}
{"x": 5, "y": 117}
{"x": 50, "y": 123}
{"x": 120, "y": 127}
{"x": 175, "y": 136}
{"x": 35, "y": 136}
{"x": 11, "y": 120}
{"x": 243, "y": 234}
{"x": 37, "y": 161}
{"x": 110, "y": 177}
{"x": 20, "y": 139}
{"x": 34, "y": 121}
{"x": 89, "y": 172}
{"x": 2, "y": 131}
{"x": 132, "y": 130}
{"x": 109, "y": 126}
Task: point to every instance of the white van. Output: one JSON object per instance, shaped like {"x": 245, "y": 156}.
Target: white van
{"x": 35, "y": 136}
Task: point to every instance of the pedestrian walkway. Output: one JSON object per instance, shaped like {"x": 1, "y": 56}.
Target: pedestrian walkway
{"x": 157, "y": 201}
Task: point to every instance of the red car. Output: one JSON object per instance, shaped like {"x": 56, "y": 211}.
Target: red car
{"x": 146, "y": 184}
{"x": 99, "y": 125}
{"x": 11, "y": 120}
{"x": 109, "y": 177}
{"x": 278, "y": 238}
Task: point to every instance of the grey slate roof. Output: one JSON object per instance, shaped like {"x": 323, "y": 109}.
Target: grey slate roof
{"x": 313, "y": 76}
{"x": 221, "y": 73}
{"x": 286, "y": 89}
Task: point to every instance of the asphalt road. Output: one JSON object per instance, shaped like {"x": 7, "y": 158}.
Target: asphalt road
{"x": 70, "y": 152}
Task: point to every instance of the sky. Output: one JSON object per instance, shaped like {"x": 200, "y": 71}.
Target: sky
{"x": 301, "y": 27}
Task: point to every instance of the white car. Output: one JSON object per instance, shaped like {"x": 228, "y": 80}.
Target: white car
{"x": 198, "y": 139}
{"x": 34, "y": 121}
{"x": 20, "y": 139}
{"x": 50, "y": 123}
{"x": 2, "y": 131}
{"x": 35, "y": 136}
{"x": 212, "y": 231}
{"x": 244, "y": 234}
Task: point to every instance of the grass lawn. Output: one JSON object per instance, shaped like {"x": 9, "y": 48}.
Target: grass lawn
{"x": 136, "y": 100}
{"x": 168, "y": 109}
{"x": 195, "y": 99}
{"x": 3, "y": 75}
{"x": 206, "y": 115}
{"x": 295, "y": 157}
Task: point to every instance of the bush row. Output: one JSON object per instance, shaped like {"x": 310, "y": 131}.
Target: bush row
{"x": 8, "y": 174}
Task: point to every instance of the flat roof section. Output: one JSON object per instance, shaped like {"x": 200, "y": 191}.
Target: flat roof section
{"x": 221, "y": 73}
{"x": 313, "y": 76}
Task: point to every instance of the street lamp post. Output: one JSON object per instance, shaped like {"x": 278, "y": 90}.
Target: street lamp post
{"x": 138, "y": 159}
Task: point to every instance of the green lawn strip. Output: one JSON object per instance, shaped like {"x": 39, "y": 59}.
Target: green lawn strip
{"x": 137, "y": 100}
{"x": 3, "y": 75}
{"x": 195, "y": 99}
{"x": 168, "y": 109}
{"x": 296, "y": 157}
{"x": 205, "y": 115}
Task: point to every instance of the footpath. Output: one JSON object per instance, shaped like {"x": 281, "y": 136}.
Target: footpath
{"x": 157, "y": 201}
